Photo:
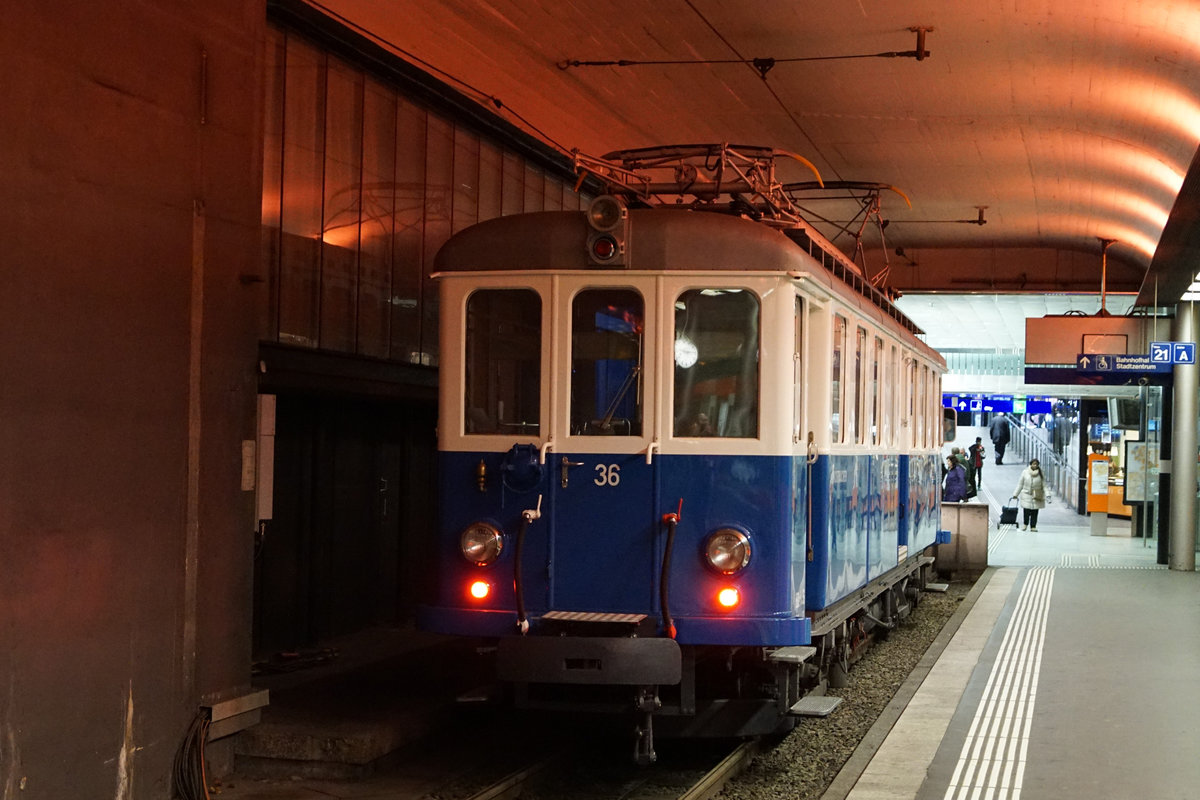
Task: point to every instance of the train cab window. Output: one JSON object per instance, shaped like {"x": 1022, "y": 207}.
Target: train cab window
{"x": 716, "y": 363}
{"x": 835, "y": 379}
{"x": 606, "y": 363}
{"x": 502, "y": 391}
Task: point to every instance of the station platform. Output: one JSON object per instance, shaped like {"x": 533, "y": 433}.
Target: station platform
{"x": 1072, "y": 674}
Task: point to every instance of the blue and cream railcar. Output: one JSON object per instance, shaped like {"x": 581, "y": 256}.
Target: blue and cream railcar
{"x": 672, "y": 444}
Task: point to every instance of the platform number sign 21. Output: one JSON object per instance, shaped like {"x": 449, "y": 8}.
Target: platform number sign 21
{"x": 1173, "y": 352}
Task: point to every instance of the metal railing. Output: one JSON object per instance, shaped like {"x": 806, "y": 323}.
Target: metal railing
{"x": 1062, "y": 478}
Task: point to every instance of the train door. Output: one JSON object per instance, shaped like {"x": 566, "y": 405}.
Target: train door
{"x": 601, "y": 472}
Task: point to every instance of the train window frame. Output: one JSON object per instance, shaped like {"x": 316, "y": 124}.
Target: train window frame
{"x": 890, "y": 412}
{"x": 876, "y": 366}
{"x": 684, "y": 421}
{"x": 837, "y": 427}
{"x": 860, "y": 394}
{"x": 910, "y": 393}
{"x": 799, "y": 323}
{"x": 473, "y": 415}
{"x": 634, "y": 382}
{"x": 923, "y": 409}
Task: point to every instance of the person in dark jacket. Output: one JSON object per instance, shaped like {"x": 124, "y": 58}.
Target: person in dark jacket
{"x": 976, "y": 456}
{"x": 954, "y": 488}
{"x": 998, "y": 430}
{"x": 963, "y": 461}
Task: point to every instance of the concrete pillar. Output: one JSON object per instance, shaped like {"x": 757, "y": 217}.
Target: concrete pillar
{"x": 1183, "y": 447}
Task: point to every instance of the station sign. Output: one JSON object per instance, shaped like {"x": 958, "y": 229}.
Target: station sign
{"x": 1002, "y": 403}
{"x": 1005, "y": 403}
{"x": 1120, "y": 362}
{"x": 1039, "y": 405}
{"x": 1173, "y": 352}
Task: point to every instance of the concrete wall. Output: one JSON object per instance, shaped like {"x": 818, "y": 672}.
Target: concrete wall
{"x": 130, "y": 145}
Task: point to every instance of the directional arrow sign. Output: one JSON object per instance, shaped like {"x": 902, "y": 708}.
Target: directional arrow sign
{"x": 1183, "y": 353}
{"x": 962, "y": 405}
{"x": 1160, "y": 352}
{"x": 1084, "y": 362}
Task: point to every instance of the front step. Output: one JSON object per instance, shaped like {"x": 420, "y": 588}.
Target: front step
{"x": 815, "y": 706}
{"x": 795, "y": 654}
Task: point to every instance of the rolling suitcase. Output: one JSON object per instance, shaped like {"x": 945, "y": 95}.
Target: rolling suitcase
{"x": 1008, "y": 516}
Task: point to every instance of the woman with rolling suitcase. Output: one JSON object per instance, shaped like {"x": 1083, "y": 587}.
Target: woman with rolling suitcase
{"x": 1031, "y": 493}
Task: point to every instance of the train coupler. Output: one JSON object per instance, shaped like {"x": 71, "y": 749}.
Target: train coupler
{"x": 646, "y": 702}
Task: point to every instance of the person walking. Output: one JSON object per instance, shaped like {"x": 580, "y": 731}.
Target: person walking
{"x": 976, "y": 457}
{"x": 998, "y": 431}
{"x": 1031, "y": 493}
{"x": 963, "y": 461}
{"x": 954, "y": 486}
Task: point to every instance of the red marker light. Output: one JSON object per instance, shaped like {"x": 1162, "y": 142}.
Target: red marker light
{"x": 604, "y": 248}
{"x": 728, "y": 597}
{"x": 480, "y": 589}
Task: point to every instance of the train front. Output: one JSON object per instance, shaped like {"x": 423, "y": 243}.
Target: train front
{"x": 622, "y": 506}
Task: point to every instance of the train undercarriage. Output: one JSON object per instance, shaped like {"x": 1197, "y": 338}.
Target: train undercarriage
{"x": 607, "y": 665}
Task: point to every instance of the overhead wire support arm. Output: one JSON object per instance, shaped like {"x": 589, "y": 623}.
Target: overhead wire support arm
{"x": 762, "y": 64}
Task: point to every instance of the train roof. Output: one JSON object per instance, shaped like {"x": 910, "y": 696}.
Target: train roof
{"x": 660, "y": 238}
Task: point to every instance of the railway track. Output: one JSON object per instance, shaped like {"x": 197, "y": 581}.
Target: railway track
{"x": 691, "y": 771}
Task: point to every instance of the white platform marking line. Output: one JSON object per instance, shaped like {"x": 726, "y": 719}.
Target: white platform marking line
{"x": 992, "y": 761}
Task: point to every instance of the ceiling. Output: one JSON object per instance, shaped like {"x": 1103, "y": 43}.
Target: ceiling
{"x": 1059, "y": 124}
{"x": 994, "y": 322}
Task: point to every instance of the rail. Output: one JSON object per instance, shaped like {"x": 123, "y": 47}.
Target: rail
{"x": 1061, "y": 478}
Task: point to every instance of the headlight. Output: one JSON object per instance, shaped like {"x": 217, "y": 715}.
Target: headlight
{"x": 727, "y": 550}
{"x": 481, "y": 543}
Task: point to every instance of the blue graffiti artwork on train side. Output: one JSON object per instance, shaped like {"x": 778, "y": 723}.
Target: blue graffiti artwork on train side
{"x": 688, "y": 452}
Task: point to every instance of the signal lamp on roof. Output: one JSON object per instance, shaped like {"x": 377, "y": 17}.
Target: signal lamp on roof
{"x": 606, "y": 212}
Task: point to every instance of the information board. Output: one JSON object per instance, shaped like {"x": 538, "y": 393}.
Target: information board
{"x": 1141, "y": 466}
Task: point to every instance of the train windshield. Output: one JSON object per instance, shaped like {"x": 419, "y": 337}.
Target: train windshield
{"x": 503, "y": 362}
{"x": 716, "y": 363}
{"x": 606, "y": 363}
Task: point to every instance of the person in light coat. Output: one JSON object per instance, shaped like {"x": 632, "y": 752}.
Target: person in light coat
{"x": 1031, "y": 493}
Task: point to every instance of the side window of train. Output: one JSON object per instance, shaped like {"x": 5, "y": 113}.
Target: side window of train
{"x": 876, "y": 366}
{"x": 911, "y": 392}
{"x": 607, "y": 351}
{"x": 716, "y": 363}
{"x": 923, "y": 410}
{"x": 891, "y": 375}
{"x": 835, "y": 379}
{"x": 860, "y": 355}
{"x": 503, "y": 347}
